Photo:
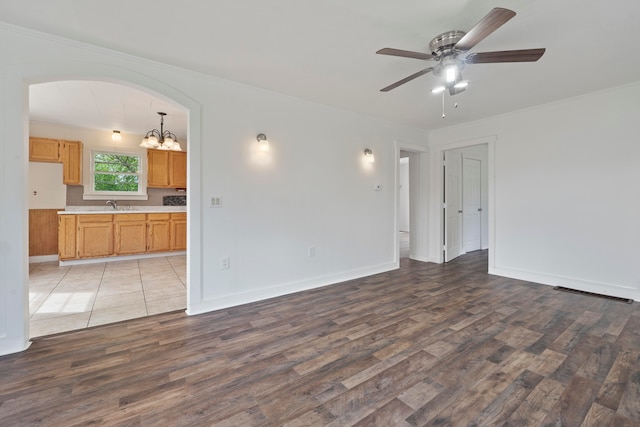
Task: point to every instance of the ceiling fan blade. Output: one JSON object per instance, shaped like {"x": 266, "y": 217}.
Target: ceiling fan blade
{"x": 404, "y": 53}
{"x": 525, "y": 55}
{"x": 406, "y": 79}
{"x": 487, "y": 25}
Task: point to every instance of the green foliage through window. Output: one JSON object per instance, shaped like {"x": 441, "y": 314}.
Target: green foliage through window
{"x": 116, "y": 172}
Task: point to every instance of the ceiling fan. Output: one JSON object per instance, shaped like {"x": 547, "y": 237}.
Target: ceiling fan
{"x": 448, "y": 47}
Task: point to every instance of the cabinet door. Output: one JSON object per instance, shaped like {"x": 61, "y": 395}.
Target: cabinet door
{"x": 178, "y": 232}
{"x": 44, "y": 150}
{"x": 95, "y": 236}
{"x": 159, "y": 236}
{"x": 71, "y": 153}
{"x": 178, "y": 169}
{"x": 67, "y": 237}
{"x": 157, "y": 168}
{"x": 130, "y": 233}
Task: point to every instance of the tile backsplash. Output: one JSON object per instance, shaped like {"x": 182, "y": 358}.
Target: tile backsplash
{"x": 156, "y": 197}
{"x": 174, "y": 200}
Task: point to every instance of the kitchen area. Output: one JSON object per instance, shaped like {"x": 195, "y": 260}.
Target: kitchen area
{"x": 95, "y": 260}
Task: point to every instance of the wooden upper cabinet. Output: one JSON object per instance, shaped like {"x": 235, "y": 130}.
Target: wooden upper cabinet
{"x": 71, "y": 155}
{"x": 157, "y": 168}
{"x": 166, "y": 169}
{"x": 178, "y": 169}
{"x": 44, "y": 150}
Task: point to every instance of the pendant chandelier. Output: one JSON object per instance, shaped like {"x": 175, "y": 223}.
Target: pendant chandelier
{"x": 161, "y": 139}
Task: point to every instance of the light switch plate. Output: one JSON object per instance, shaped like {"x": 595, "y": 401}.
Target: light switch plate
{"x": 216, "y": 202}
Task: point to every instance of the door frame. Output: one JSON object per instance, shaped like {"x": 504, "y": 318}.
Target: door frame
{"x": 436, "y": 224}
{"x": 418, "y": 201}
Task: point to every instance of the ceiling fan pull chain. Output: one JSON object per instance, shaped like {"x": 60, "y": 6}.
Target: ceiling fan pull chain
{"x": 443, "y": 115}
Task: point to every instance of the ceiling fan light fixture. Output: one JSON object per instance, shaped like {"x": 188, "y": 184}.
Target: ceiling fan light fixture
{"x": 451, "y": 72}
{"x": 438, "y": 89}
{"x": 446, "y": 47}
{"x": 461, "y": 84}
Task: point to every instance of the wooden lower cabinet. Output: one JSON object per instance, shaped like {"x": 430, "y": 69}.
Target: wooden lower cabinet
{"x": 67, "y": 240}
{"x": 104, "y": 235}
{"x": 130, "y": 233}
{"x": 95, "y": 235}
{"x": 178, "y": 231}
{"x": 159, "y": 235}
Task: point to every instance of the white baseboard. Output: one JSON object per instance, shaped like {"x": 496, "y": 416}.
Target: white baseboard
{"x": 42, "y": 258}
{"x": 419, "y": 258}
{"x": 569, "y": 282}
{"x": 285, "y": 288}
{"x": 119, "y": 258}
{"x": 12, "y": 345}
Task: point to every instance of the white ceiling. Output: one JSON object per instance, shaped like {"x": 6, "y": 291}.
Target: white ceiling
{"x": 324, "y": 51}
{"x": 102, "y": 105}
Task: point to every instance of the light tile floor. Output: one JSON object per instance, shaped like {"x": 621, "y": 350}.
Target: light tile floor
{"x": 75, "y": 297}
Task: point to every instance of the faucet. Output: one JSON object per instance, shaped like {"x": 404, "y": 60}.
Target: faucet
{"x": 113, "y": 203}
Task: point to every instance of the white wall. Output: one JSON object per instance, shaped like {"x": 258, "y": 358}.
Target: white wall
{"x": 566, "y": 197}
{"x": 311, "y": 189}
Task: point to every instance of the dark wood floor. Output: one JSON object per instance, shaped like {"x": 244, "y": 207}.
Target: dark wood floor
{"x": 439, "y": 345}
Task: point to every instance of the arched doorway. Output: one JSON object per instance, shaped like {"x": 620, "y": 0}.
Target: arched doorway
{"x": 75, "y": 294}
{"x": 15, "y": 321}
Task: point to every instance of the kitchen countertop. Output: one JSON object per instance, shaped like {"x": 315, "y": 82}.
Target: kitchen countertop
{"x": 83, "y": 210}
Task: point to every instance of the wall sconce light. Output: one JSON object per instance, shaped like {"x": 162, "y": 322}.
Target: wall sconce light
{"x": 368, "y": 155}
{"x": 262, "y": 140}
{"x": 116, "y": 136}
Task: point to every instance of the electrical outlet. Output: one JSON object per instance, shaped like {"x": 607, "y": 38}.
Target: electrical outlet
{"x": 224, "y": 262}
{"x": 312, "y": 251}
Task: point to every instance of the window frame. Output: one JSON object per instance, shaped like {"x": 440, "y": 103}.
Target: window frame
{"x": 91, "y": 194}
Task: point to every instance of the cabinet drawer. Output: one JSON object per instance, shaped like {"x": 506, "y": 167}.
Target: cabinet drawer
{"x": 179, "y": 216}
{"x": 129, "y": 217}
{"x": 95, "y": 218}
{"x": 158, "y": 216}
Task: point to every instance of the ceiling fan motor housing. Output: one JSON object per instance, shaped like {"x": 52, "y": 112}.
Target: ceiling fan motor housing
{"x": 444, "y": 43}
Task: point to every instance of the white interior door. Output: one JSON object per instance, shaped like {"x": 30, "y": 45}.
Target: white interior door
{"x": 471, "y": 205}
{"x": 453, "y": 205}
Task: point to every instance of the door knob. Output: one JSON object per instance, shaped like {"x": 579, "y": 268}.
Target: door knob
{"x": 479, "y": 209}
{"x": 459, "y": 211}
